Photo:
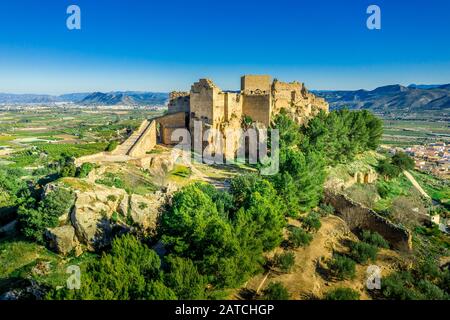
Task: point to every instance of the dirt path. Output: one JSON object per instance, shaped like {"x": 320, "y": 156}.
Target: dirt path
{"x": 416, "y": 184}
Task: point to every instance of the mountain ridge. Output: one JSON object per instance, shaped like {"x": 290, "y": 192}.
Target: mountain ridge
{"x": 391, "y": 97}
{"x": 128, "y": 98}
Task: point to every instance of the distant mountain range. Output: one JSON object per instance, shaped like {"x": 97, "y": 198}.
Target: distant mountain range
{"x": 128, "y": 98}
{"x": 392, "y": 97}
{"x": 388, "y": 98}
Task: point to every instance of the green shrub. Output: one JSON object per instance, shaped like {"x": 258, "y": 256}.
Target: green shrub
{"x": 284, "y": 261}
{"x": 84, "y": 170}
{"x": 33, "y": 221}
{"x": 67, "y": 166}
{"x": 375, "y": 239}
{"x": 326, "y": 209}
{"x": 112, "y": 146}
{"x": 342, "y": 294}
{"x": 387, "y": 169}
{"x": 398, "y": 286}
{"x": 276, "y": 291}
{"x": 115, "y": 217}
{"x": 430, "y": 291}
{"x": 341, "y": 267}
{"x": 129, "y": 271}
{"x": 142, "y": 205}
{"x": 312, "y": 222}
{"x": 111, "y": 198}
{"x": 362, "y": 252}
{"x": 299, "y": 237}
{"x": 403, "y": 161}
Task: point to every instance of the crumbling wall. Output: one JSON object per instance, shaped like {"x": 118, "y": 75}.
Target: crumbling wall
{"x": 179, "y": 102}
{"x": 202, "y": 101}
{"x": 233, "y": 106}
{"x": 168, "y": 124}
{"x": 359, "y": 217}
{"x": 285, "y": 94}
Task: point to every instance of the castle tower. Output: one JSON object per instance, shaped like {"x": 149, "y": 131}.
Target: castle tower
{"x": 257, "y": 97}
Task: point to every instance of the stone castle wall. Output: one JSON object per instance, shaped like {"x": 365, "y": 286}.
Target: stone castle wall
{"x": 256, "y": 83}
{"x": 259, "y": 98}
{"x": 202, "y": 100}
{"x": 258, "y": 107}
{"x": 168, "y": 124}
{"x": 233, "y": 106}
{"x": 179, "y": 102}
{"x": 359, "y": 217}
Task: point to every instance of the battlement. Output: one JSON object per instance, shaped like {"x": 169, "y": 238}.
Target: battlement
{"x": 203, "y": 84}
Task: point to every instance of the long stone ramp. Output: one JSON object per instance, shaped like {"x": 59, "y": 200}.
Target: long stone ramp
{"x": 129, "y": 144}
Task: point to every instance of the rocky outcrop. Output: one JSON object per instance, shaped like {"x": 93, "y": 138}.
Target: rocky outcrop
{"x": 62, "y": 239}
{"x": 144, "y": 211}
{"x": 98, "y": 215}
{"x": 92, "y": 214}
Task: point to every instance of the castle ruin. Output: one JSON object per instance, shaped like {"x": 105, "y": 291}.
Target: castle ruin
{"x": 258, "y": 101}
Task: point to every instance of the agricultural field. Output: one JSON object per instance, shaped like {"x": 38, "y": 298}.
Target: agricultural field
{"x": 33, "y": 137}
{"x": 406, "y": 132}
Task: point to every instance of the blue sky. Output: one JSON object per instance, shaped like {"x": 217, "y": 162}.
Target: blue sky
{"x": 164, "y": 45}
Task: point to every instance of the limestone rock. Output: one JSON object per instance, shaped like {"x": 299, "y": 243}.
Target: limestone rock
{"x": 62, "y": 239}
{"x": 144, "y": 211}
{"x": 92, "y": 214}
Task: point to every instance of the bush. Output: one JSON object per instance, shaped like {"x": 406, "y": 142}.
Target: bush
{"x": 34, "y": 221}
{"x": 374, "y": 238}
{"x": 184, "y": 279}
{"x": 67, "y": 167}
{"x": 342, "y": 294}
{"x": 284, "y": 261}
{"x": 112, "y": 146}
{"x": 387, "y": 169}
{"x": 341, "y": 267}
{"x": 111, "y": 198}
{"x": 311, "y": 222}
{"x": 276, "y": 291}
{"x": 403, "y": 161}
{"x": 130, "y": 271}
{"x": 362, "y": 252}
{"x": 84, "y": 170}
{"x": 299, "y": 237}
{"x": 326, "y": 209}
{"x": 429, "y": 291}
{"x": 398, "y": 286}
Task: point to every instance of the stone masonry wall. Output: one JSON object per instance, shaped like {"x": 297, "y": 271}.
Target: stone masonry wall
{"x": 168, "y": 124}
{"x": 359, "y": 217}
{"x": 256, "y": 83}
{"x": 258, "y": 107}
{"x": 179, "y": 102}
